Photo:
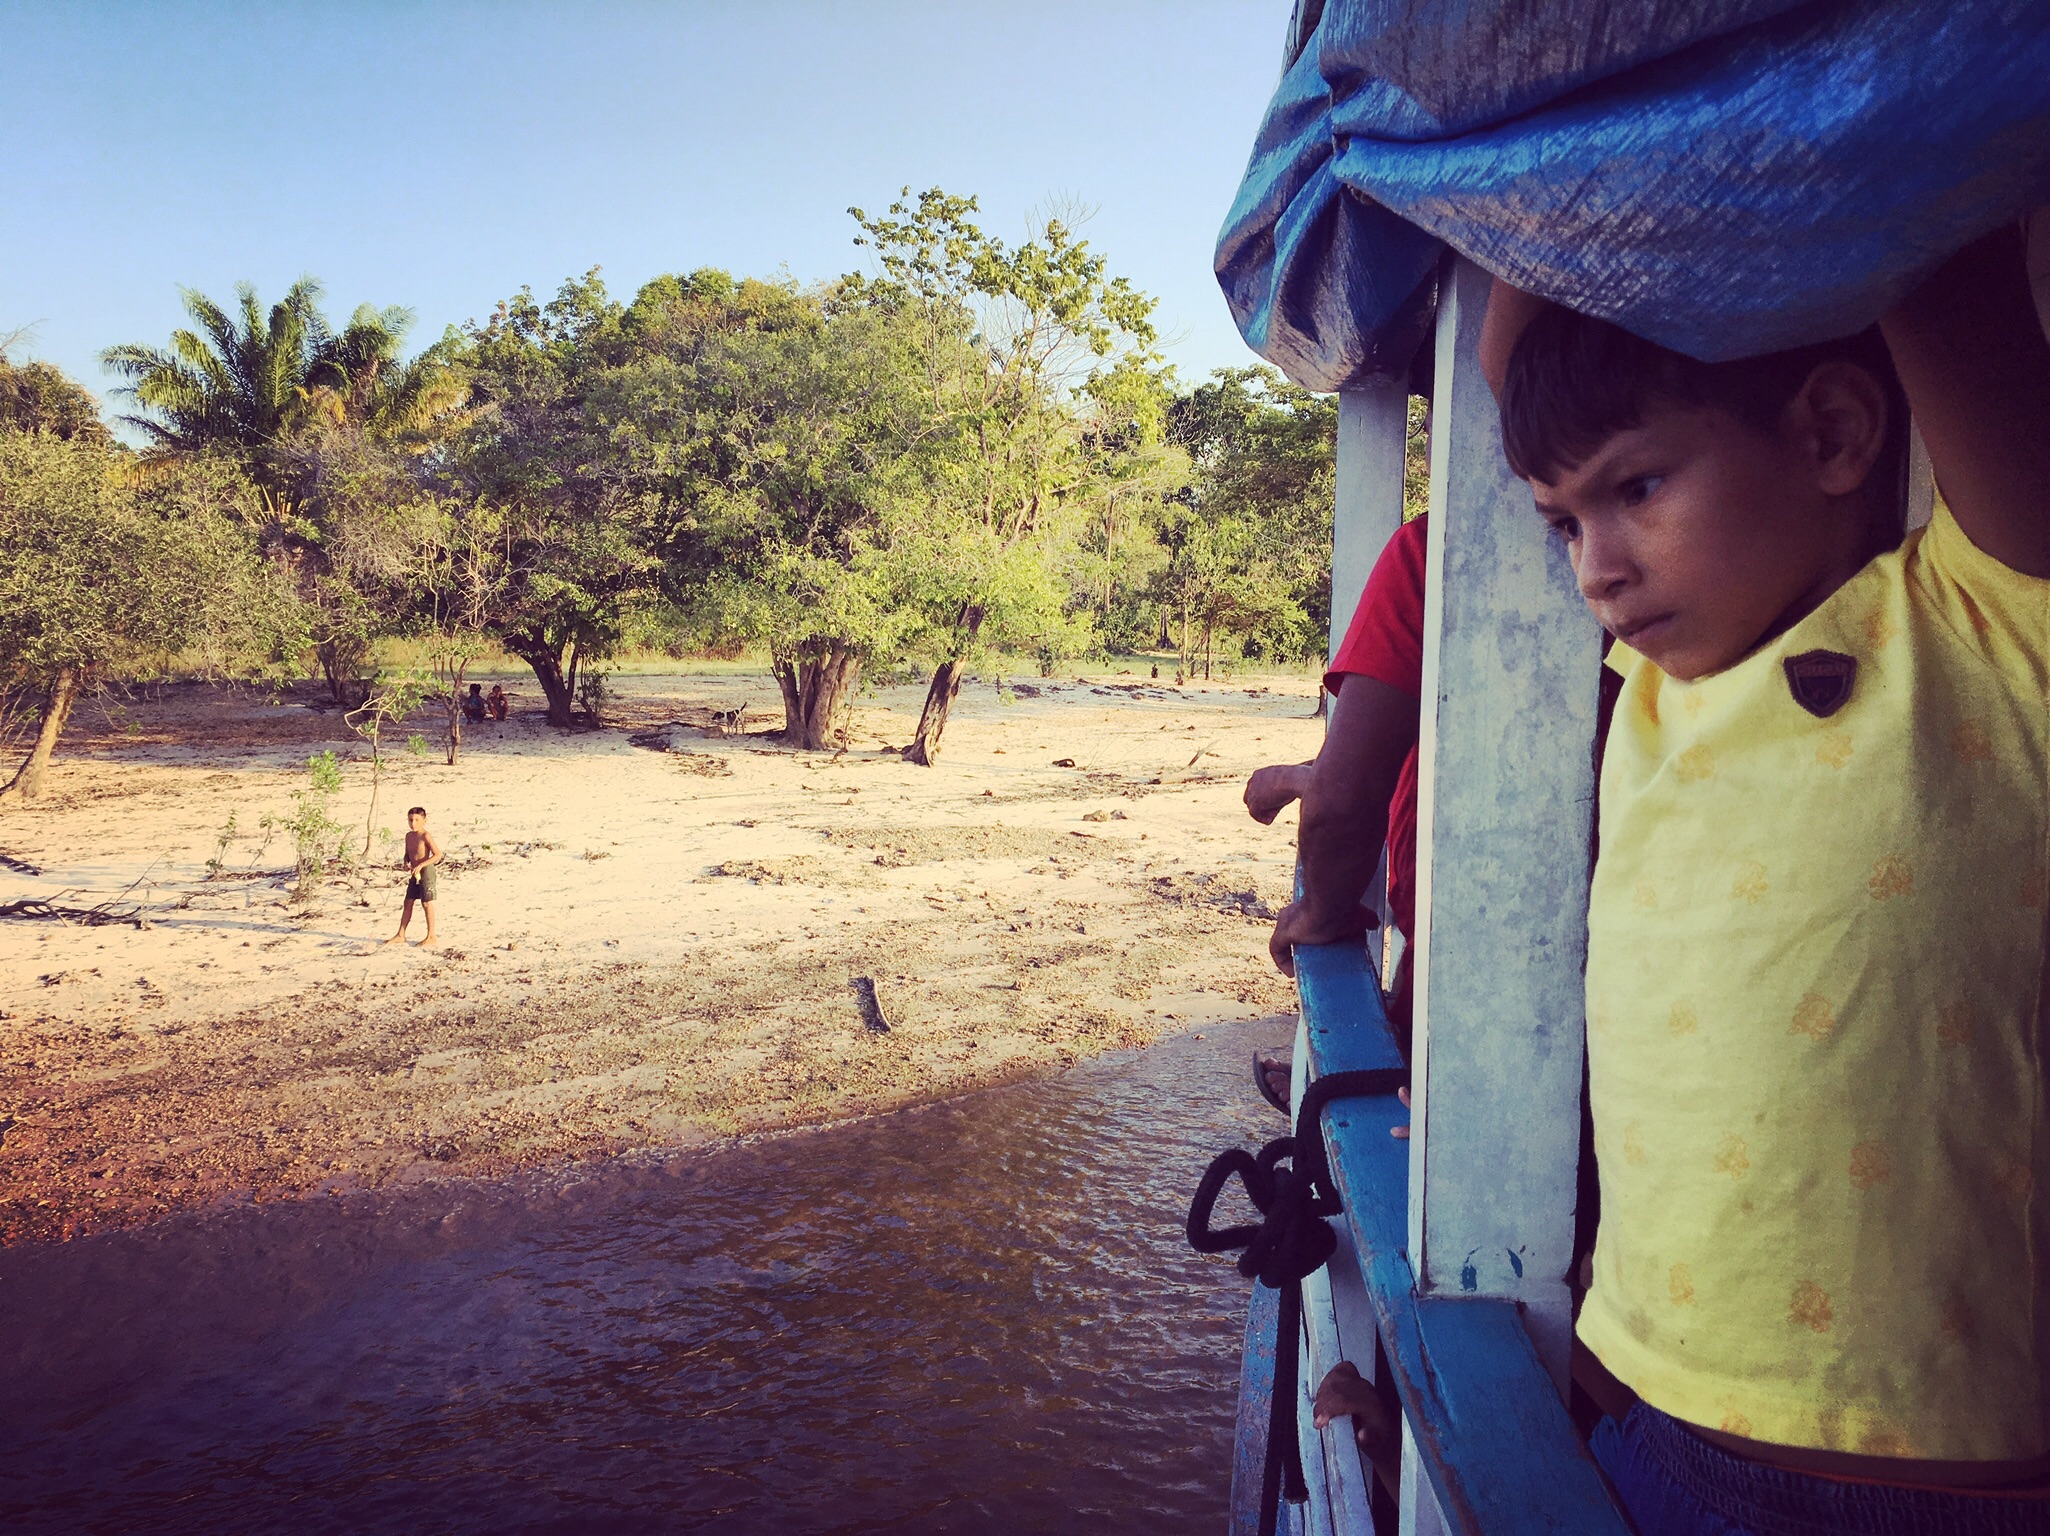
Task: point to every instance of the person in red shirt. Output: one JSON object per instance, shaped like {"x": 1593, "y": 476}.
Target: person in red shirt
{"x": 1360, "y": 792}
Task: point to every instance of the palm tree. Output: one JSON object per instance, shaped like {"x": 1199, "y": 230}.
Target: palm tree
{"x": 356, "y": 377}
{"x": 247, "y": 379}
{"x": 314, "y": 415}
{"x": 236, "y": 381}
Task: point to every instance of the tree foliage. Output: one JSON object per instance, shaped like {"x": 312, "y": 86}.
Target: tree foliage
{"x": 970, "y": 448}
{"x": 102, "y": 568}
{"x": 36, "y": 397}
{"x": 1249, "y": 540}
{"x": 1009, "y": 342}
{"x": 330, "y": 425}
{"x": 248, "y": 379}
{"x": 577, "y": 569}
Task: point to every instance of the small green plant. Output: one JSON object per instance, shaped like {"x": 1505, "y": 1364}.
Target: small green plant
{"x": 416, "y": 745}
{"x": 317, "y": 837}
{"x": 324, "y": 770}
{"x": 594, "y": 691}
{"x": 268, "y": 825}
{"x": 386, "y": 699}
{"x": 218, "y": 863}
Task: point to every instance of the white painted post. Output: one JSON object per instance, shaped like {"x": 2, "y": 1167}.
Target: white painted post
{"x": 1373, "y": 427}
{"x": 1373, "y": 435}
{"x": 1506, "y": 802}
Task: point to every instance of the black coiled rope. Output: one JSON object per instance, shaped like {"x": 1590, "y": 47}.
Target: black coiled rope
{"x": 1289, "y": 1183}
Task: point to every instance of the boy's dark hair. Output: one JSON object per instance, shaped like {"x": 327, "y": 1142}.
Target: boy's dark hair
{"x": 416, "y": 810}
{"x": 1574, "y": 382}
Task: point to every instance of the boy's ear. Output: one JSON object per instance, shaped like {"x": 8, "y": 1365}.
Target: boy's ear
{"x": 1838, "y": 418}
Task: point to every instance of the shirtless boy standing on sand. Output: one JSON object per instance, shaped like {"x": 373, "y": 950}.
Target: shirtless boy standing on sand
{"x": 422, "y": 854}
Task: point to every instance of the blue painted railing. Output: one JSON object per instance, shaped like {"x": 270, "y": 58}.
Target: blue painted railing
{"x": 1492, "y": 1435}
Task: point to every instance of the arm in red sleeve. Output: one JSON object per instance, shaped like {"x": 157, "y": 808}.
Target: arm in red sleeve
{"x": 1371, "y": 735}
{"x": 1385, "y": 640}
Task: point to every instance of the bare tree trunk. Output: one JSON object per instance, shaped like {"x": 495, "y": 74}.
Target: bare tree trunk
{"x": 376, "y": 780}
{"x": 546, "y": 661}
{"x": 1209, "y": 634}
{"x": 939, "y": 698}
{"x": 27, "y": 783}
{"x": 841, "y": 721}
{"x": 946, "y": 683}
{"x": 832, "y": 695}
{"x": 793, "y": 700}
{"x": 569, "y": 683}
{"x": 455, "y": 711}
{"x": 818, "y": 696}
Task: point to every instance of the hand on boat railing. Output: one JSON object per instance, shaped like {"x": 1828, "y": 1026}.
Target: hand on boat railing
{"x": 1289, "y": 1182}
{"x": 1376, "y": 1419}
{"x": 1494, "y": 1445}
{"x": 1301, "y": 923}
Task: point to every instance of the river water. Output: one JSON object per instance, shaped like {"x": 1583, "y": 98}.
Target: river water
{"x": 975, "y": 1316}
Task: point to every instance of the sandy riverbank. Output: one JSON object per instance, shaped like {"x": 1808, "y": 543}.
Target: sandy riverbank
{"x": 648, "y": 932}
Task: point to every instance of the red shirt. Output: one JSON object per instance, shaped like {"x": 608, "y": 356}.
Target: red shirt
{"x": 1386, "y": 642}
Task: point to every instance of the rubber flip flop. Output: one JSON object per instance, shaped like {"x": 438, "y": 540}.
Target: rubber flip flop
{"x": 1262, "y": 1059}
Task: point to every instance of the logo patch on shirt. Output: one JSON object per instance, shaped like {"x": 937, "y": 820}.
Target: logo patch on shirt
{"x": 1821, "y": 681}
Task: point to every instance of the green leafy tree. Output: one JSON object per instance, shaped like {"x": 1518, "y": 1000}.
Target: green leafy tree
{"x": 769, "y": 429}
{"x": 1136, "y": 477}
{"x": 373, "y": 518}
{"x": 36, "y": 397}
{"x": 326, "y": 423}
{"x": 1250, "y": 542}
{"x": 1007, "y": 339}
{"x": 247, "y": 379}
{"x": 100, "y": 570}
{"x": 237, "y": 380}
{"x": 460, "y": 587}
{"x": 1217, "y": 582}
{"x": 579, "y": 571}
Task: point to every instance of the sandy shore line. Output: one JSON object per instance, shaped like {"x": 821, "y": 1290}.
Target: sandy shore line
{"x": 650, "y": 933}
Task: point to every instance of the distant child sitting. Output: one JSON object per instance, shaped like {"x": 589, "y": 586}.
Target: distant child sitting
{"x": 423, "y": 853}
{"x": 1360, "y": 790}
{"x": 474, "y": 709}
{"x": 1816, "y": 959}
{"x": 496, "y": 701}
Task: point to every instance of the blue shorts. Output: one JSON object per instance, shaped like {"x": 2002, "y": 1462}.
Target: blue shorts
{"x": 1674, "y": 1483}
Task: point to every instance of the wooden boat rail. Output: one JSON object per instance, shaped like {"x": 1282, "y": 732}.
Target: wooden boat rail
{"x": 1488, "y": 1433}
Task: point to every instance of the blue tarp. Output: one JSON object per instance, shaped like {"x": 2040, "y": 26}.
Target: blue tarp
{"x": 1724, "y": 177}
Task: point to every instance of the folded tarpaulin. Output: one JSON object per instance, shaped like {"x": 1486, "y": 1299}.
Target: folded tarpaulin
{"x": 1725, "y": 177}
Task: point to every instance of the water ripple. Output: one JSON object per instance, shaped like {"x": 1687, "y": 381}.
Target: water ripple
{"x": 977, "y": 1316}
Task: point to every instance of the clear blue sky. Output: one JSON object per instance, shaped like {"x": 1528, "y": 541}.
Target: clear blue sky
{"x": 442, "y": 155}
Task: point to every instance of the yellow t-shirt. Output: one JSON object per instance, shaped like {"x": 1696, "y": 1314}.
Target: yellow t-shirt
{"x": 1815, "y": 965}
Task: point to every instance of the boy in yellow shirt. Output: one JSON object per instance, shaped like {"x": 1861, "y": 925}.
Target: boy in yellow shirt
{"x": 1816, "y": 1034}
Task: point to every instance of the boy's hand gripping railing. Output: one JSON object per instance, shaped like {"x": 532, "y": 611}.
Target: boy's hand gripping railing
{"x": 1492, "y": 1436}
{"x": 1491, "y": 1433}
{"x": 1290, "y": 1184}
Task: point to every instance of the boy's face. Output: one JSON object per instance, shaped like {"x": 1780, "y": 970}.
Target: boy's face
{"x": 1695, "y": 537}
{"x": 417, "y": 822}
